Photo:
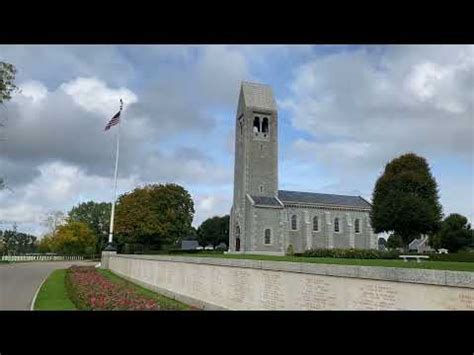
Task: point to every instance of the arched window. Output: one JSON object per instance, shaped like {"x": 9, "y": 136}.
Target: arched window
{"x": 336, "y": 224}
{"x": 357, "y": 226}
{"x": 265, "y": 125}
{"x": 256, "y": 124}
{"x": 293, "y": 222}
{"x": 315, "y": 224}
{"x": 268, "y": 236}
{"x": 261, "y": 188}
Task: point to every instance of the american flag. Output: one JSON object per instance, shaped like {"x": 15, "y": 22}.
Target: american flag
{"x": 116, "y": 119}
{"x": 113, "y": 121}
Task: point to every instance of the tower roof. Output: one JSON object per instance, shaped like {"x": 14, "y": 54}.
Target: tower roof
{"x": 258, "y": 96}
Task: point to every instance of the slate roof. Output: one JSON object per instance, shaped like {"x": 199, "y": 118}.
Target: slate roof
{"x": 189, "y": 244}
{"x": 258, "y": 96}
{"x": 324, "y": 199}
{"x": 266, "y": 201}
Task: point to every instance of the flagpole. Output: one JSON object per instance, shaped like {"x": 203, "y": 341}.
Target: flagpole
{"x": 112, "y": 214}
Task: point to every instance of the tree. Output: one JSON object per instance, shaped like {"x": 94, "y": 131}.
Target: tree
{"x": 455, "y": 234}
{"x": 7, "y": 88}
{"x": 53, "y": 220}
{"x": 7, "y": 81}
{"x": 394, "y": 241}
{"x": 73, "y": 238}
{"x": 214, "y": 231}
{"x": 96, "y": 216}
{"x": 405, "y": 199}
{"x": 154, "y": 215}
{"x": 14, "y": 242}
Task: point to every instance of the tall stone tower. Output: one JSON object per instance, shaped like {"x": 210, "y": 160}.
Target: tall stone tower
{"x": 256, "y": 158}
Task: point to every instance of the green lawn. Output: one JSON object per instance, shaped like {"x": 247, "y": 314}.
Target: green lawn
{"x": 52, "y": 295}
{"x": 163, "y": 301}
{"x": 439, "y": 265}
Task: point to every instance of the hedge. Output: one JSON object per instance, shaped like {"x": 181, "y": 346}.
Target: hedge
{"x": 464, "y": 256}
{"x": 352, "y": 253}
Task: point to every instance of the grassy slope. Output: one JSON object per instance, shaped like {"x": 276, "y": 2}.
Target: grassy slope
{"x": 165, "y": 302}
{"x": 53, "y": 295}
{"x": 440, "y": 265}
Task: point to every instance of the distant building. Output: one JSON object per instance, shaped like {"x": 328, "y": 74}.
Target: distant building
{"x": 420, "y": 245}
{"x": 189, "y": 244}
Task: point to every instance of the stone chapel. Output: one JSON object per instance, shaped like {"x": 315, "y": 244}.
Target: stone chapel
{"x": 266, "y": 220}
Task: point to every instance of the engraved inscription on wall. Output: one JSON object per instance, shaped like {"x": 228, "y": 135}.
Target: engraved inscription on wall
{"x": 316, "y": 293}
{"x": 197, "y": 284}
{"x": 272, "y": 296}
{"x": 217, "y": 285}
{"x": 466, "y": 299}
{"x": 239, "y": 285}
{"x": 375, "y": 296}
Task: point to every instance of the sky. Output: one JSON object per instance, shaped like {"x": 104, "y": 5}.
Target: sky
{"x": 344, "y": 112}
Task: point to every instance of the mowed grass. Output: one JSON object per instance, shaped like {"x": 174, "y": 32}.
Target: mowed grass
{"x": 164, "y": 302}
{"x": 53, "y": 295}
{"x": 438, "y": 265}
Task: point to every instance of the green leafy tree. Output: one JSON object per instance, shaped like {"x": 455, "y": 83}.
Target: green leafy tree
{"x": 73, "y": 238}
{"x": 394, "y": 241}
{"x": 17, "y": 243}
{"x": 7, "y": 88}
{"x": 405, "y": 199}
{"x": 455, "y": 234}
{"x": 214, "y": 231}
{"x": 155, "y": 216}
{"x": 7, "y": 81}
{"x": 97, "y": 216}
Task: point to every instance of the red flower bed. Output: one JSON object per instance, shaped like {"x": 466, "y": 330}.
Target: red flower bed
{"x": 90, "y": 290}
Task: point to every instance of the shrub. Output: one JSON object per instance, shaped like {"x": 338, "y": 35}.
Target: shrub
{"x": 352, "y": 253}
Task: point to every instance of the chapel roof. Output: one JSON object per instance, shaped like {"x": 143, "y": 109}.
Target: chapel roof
{"x": 322, "y": 199}
{"x": 265, "y": 201}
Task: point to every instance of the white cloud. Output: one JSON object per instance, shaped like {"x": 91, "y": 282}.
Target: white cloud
{"x": 34, "y": 90}
{"x": 94, "y": 95}
{"x": 210, "y": 205}
{"x": 58, "y": 187}
{"x": 362, "y": 108}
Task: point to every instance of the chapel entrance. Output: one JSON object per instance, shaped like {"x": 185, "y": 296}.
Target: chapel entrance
{"x": 237, "y": 238}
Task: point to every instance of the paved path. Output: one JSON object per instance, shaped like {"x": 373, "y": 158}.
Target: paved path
{"x": 19, "y": 281}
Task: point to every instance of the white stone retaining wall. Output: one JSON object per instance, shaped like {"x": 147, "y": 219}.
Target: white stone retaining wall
{"x": 240, "y": 284}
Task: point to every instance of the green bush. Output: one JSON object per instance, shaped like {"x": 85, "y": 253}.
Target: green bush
{"x": 352, "y": 253}
{"x": 194, "y": 251}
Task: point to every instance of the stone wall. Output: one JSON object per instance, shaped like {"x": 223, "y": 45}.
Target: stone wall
{"x": 240, "y": 284}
